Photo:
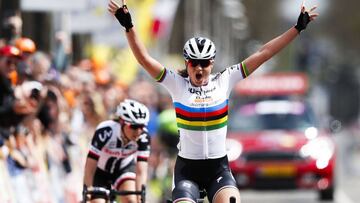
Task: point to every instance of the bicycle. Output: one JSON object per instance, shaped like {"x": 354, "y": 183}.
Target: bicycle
{"x": 111, "y": 194}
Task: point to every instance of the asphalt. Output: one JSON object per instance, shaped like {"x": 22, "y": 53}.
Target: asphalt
{"x": 348, "y": 166}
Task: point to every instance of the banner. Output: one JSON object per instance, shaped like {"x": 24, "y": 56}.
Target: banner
{"x": 52, "y": 5}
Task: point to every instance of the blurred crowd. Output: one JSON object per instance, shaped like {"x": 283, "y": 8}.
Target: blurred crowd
{"x": 49, "y": 108}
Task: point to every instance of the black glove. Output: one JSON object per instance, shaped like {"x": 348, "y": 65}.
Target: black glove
{"x": 302, "y": 21}
{"x": 124, "y": 18}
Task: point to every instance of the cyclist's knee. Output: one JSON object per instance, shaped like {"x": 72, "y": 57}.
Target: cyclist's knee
{"x": 227, "y": 194}
{"x": 185, "y": 191}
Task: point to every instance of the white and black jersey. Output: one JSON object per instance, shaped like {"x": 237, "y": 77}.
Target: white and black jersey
{"x": 109, "y": 150}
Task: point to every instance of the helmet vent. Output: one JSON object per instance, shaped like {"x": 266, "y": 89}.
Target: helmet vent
{"x": 139, "y": 114}
{"x": 192, "y": 48}
{"x": 207, "y": 51}
{"x": 201, "y": 44}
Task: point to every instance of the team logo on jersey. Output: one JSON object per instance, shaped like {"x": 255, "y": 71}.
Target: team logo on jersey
{"x": 195, "y": 91}
{"x": 200, "y": 91}
{"x": 218, "y": 179}
{"x": 143, "y": 138}
{"x": 104, "y": 133}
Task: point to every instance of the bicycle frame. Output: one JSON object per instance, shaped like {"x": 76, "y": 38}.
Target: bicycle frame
{"x": 112, "y": 194}
{"x": 200, "y": 200}
{"x": 203, "y": 194}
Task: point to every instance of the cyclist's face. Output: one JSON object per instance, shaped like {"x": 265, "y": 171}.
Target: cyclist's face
{"x": 133, "y": 132}
{"x": 199, "y": 71}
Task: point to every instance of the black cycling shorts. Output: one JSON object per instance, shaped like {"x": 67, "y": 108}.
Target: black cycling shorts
{"x": 191, "y": 176}
{"x": 113, "y": 180}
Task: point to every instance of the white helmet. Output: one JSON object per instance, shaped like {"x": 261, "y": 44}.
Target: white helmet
{"x": 133, "y": 112}
{"x": 199, "y": 48}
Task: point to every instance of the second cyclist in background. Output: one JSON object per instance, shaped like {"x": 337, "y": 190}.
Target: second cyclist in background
{"x": 119, "y": 151}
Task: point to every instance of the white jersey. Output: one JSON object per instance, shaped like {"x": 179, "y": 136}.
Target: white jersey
{"x": 108, "y": 148}
{"x": 202, "y": 112}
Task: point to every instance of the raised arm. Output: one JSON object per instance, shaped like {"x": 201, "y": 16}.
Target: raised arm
{"x": 152, "y": 66}
{"x": 277, "y": 44}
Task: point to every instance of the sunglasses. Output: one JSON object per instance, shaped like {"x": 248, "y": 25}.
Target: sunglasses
{"x": 203, "y": 63}
{"x": 135, "y": 127}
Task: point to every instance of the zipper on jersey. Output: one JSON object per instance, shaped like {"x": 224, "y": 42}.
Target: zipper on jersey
{"x": 206, "y": 149}
{"x": 205, "y": 143}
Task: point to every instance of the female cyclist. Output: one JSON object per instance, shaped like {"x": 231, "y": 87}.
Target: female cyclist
{"x": 119, "y": 151}
{"x": 201, "y": 104}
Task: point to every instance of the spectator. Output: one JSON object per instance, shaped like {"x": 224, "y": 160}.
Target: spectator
{"x": 27, "y": 48}
{"x": 11, "y": 26}
{"x": 12, "y": 110}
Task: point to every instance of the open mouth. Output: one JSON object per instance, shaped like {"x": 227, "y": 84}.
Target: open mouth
{"x": 198, "y": 76}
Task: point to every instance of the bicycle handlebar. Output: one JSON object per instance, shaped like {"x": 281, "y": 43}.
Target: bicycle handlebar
{"x": 110, "y": 193}
{"x": 97, "y": 190}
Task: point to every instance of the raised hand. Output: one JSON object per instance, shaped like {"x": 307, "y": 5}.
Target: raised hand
{"x": 113, "y": 7}
{"x": 122, "y": 14}
{"x": 305, "y": 17}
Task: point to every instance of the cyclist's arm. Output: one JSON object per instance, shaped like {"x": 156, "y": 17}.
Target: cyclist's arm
{"x": 152, "y": 66}
{"x": 102, "y": 135}
{"x": 141, "y": 174}
{"x": 270, "y": 49}
{"x": 90, "y": 168}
